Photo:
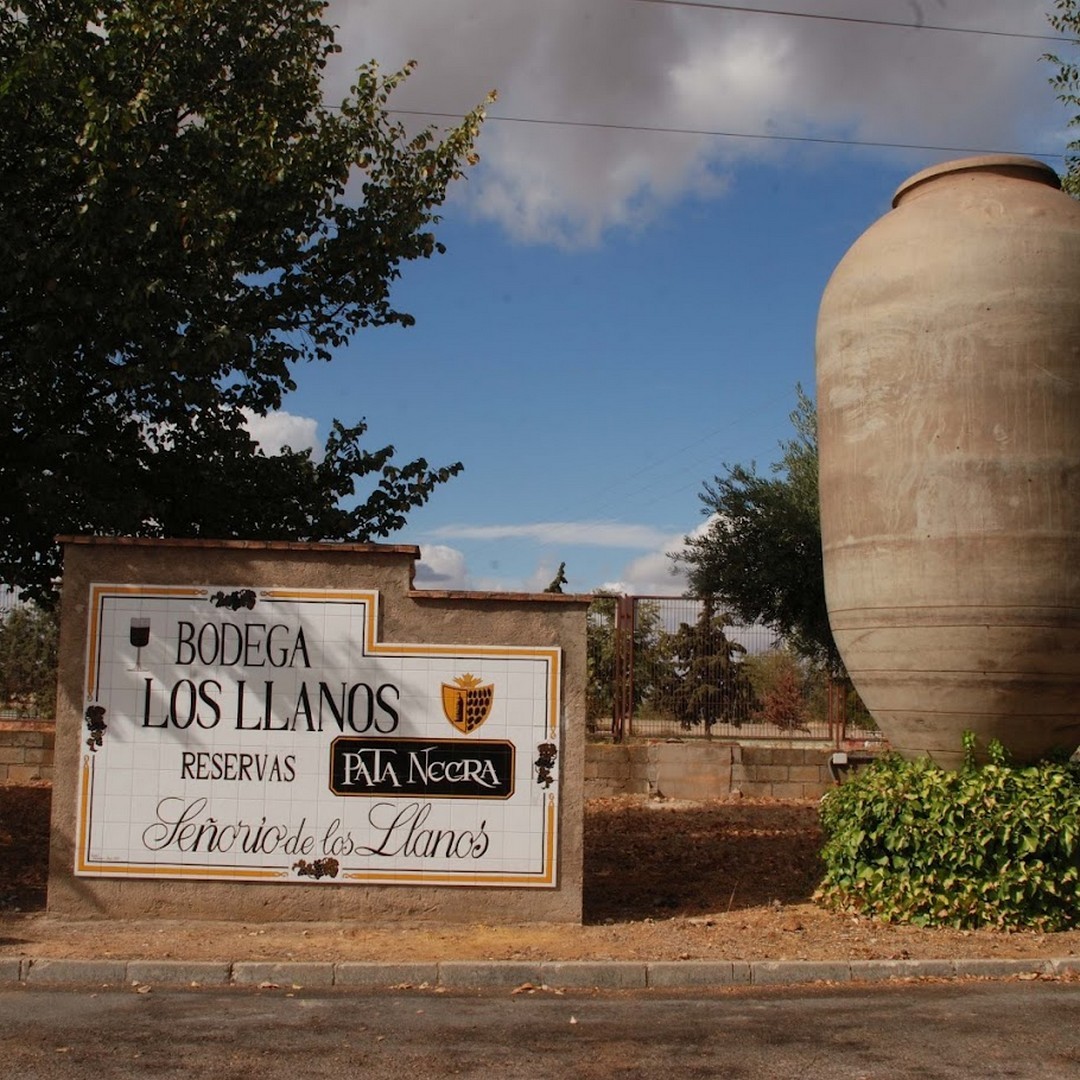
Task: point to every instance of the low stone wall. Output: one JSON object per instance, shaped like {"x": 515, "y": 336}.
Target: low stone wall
{"x": 691, "y": 770}
{"x": 26, "y": 750}
{"x": 700, "y": 770}
{"x": 675, "y": 770}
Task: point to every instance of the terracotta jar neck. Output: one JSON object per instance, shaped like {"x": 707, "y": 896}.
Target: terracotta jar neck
{"x": 1007, "y": 165}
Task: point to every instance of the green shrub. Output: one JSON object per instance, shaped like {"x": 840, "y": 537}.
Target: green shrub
{"x": 995, "y": 845}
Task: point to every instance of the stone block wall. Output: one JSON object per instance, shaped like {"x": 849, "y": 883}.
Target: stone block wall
{"x": 782, "y": 772}
{"x": 705, "y": 770}
{"x": 616, "y": 769}
{"x": 26, "y": 750}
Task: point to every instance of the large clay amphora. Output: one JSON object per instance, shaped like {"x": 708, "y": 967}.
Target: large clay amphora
{"x": 948, "y": 367}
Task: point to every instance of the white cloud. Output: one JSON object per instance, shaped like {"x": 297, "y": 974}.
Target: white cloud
{"x": 625, "y": 63}
{"x": 654, "y": 574}
{"x": 441, "y": 567}
{"x": 743, "y": 80}
{"x": 279, "y": 429}
{"x": 651, "y": 574}
{"x": 586, "y": 533}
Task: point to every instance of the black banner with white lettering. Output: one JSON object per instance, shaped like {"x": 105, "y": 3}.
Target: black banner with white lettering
{"x": 431, "y": 768}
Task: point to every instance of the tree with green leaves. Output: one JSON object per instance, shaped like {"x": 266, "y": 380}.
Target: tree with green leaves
{"x": 701, "y": 679}
{"x": 183, "y": 222}
{"x": 783, "y": 686}
{"x": 1065, "y": 19}
{"x": 761, "y": 552}
{"x": 28, "y": 644}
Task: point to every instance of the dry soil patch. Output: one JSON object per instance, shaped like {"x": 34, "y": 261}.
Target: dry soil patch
{"x": 721, "y": 879}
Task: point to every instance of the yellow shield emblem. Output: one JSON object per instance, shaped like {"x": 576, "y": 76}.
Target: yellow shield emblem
{"x": 466, "y": 703}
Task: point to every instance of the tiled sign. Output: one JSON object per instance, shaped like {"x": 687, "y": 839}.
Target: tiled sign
{"x": 268, "y": 735}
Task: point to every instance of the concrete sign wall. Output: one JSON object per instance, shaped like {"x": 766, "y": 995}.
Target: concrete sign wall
{"x": 255, "y": 731}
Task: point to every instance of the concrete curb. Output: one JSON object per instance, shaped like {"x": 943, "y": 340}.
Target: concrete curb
{"x": 270, "y": 974}
{"x": 178, "y": 973}
{"x": 510, "y": 974}
{"x": 599, "y": 974}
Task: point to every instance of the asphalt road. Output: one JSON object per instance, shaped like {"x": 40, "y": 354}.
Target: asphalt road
{"x": 945, "y": 1030}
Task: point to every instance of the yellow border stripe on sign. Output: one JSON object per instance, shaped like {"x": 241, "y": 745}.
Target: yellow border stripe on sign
{"x": 372, "y": 646}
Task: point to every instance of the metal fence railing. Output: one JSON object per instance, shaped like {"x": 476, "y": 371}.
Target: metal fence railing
{"x": 662, "y": 666}
{"x": 665, "y": 666}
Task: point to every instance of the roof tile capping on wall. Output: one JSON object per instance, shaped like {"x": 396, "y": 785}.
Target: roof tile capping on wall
{"x": 523, "y": 623}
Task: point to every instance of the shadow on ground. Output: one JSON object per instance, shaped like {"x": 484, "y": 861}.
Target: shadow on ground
{"x": 642, "y": 859}
{"x": 662, "y": 859}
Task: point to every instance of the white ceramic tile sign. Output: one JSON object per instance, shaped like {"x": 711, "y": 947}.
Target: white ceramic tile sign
{"x": 247, "y": 734}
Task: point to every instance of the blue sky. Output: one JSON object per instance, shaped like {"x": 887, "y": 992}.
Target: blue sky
{"x": 620, "y": 313}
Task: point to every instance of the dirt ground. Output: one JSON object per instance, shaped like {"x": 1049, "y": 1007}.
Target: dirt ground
{"x": 664, "y": 880}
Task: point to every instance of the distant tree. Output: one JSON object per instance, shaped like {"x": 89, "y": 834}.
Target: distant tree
{"x": 782, "y": 684}
{"x": 1065, "y": 19}
{"x": 183, "y": 221}
{"x": 761, "y": 553}
{"x": 28, "y": 639}
{"x": 701, "y": 679}
{"x": 558, "y": 581}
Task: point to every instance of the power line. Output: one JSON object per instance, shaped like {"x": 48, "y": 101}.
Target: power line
{"x": 662, "y": 476}
{"x": 711, "y": 133}
{"x": 854, "y": 19}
